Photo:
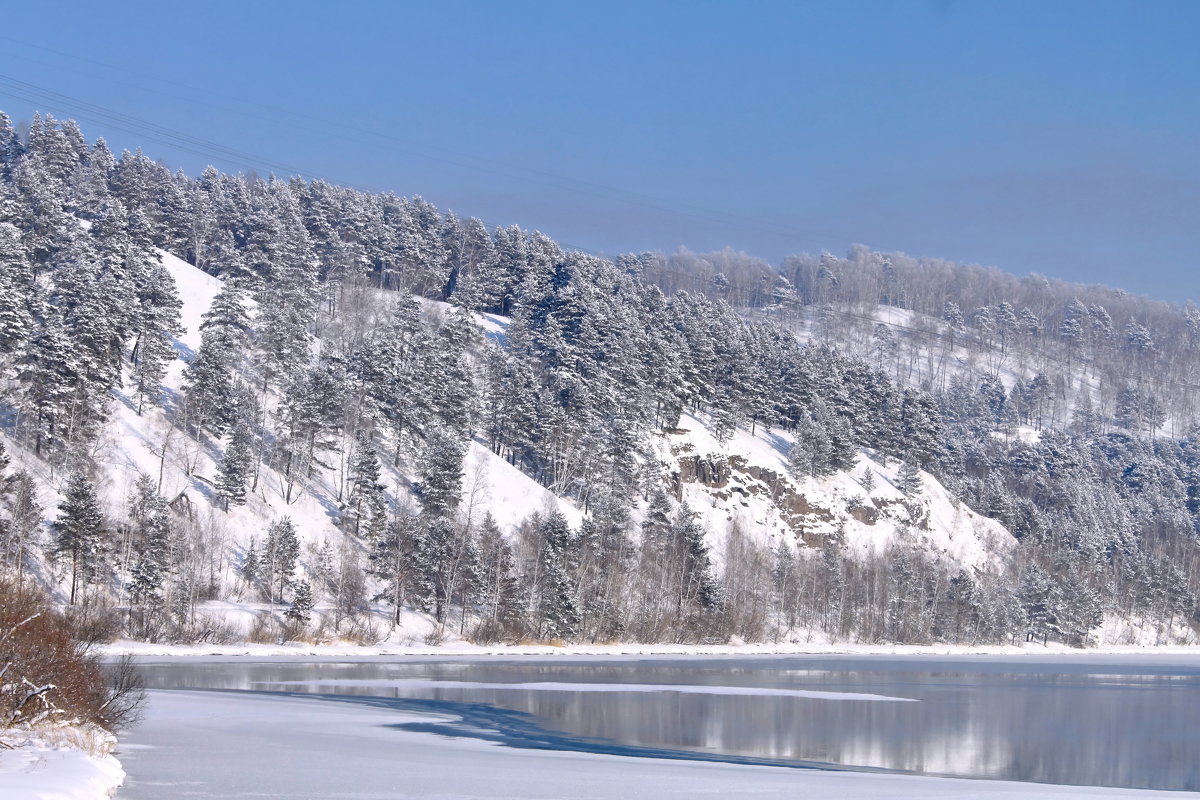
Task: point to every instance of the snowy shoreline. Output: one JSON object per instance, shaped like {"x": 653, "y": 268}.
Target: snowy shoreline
{"x": 349, "y": 650}
{"x": 61, "y": 762}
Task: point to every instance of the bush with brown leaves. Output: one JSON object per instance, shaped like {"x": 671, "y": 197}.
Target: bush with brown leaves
{"x": 47, "y": 675}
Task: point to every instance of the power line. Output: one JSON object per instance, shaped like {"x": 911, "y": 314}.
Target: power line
{"x": 22, "y": 90}
{"x": 481, "y": 164}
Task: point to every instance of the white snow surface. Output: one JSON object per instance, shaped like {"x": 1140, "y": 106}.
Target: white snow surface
{"x": 458, "y": 647}
{"x": 220, "y": 745}
{"x": 50, "y": 765}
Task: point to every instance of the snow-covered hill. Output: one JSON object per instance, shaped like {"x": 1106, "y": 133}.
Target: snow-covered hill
{"x": 741, "y": 484}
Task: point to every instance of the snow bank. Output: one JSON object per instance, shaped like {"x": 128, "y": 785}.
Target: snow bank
{"x": 463, "y": 648}
{"x": 58, "y": 764}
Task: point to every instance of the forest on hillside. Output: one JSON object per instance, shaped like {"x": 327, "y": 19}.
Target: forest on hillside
{"x": 344, "y": 343}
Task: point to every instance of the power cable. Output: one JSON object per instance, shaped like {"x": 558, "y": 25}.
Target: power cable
{"x": 463, "y": 160}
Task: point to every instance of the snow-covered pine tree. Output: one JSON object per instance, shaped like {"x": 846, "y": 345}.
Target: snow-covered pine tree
{"x": 210, "y": 387}
{"x": 299, "y": 612}
{"x": 698, "y": 583}
{"x": 236, "y": 462}
{"x": 20, "y": 530}
{"x": 502, "y": 600}
{"x": 557, "y": 611}
{"x": 440, "y": 485}
{"x": 366, "y": 504}
{"x": 157, "y": 325}
{"x": 16, "y": 291}
{"x": 151, "y": 541}
{"x": 280, "y": 553}
{"x": 251, "y": 569}
{"x": 80, "y": 532}
{"x": 908, "y": 478}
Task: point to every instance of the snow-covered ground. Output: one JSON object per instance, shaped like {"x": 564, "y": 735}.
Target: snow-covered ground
{"x": 58, "y": 764}
{"x": 457, "y": 648}
{"x": 223, "y": 744}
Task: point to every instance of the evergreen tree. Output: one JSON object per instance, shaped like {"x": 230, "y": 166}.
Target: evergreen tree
{"x": 299, "y": 612}
{"x": 281, "y": 551}
{"x": 157, "y": 325}
{"x": 80, "y": 532}
{"x": 210, "y": 386}
{"x": 908, "y": 479}
{"x": 251, "y": 569}
{"x": 557, "y": 611}
{"x": 867, "y": 481}
{"x": 366, "y": 504}
{"x": 1040, "y": 598}
{"x": 501, "y": 591}
{"x": 440, "y": 486}
{"x": 17, "y": 290}
{"x": 151, "y": 533}
{"x": 432, "y": 574}
{"x": 234, "y": 468}
{"x": 20, "y": 500}
{"x": 698, "y": 584}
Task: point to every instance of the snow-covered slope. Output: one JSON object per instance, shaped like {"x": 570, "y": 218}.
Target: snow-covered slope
{"x": 742, "y": 482}
{"x": 492, "y": 483}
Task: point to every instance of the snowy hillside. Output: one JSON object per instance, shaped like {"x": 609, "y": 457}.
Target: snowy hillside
{"x": 282, "y": 409}
{"x": 742, "y": 483}
{"x": 148, "y": 444}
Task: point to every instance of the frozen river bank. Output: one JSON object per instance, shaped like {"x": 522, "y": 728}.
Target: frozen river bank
{"x": 659, "y": 728}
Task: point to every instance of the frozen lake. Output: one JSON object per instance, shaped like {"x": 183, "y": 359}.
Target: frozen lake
{"x": 1103, "y": 721}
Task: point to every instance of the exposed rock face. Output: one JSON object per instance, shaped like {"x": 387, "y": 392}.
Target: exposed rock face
{"x": 731, "y": 476}
{"x": 744, "y": 486}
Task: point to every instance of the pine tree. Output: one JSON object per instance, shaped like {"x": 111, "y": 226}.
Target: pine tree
{"x": 440, "y": 486}
{"x": 502, "y": 598}
{"x": 234, "y": 469}
{"x": 280, "y": 554}
{"x": 299, "y": 612}
{"x": 366, "y": 504}
{"x": 251, "y": 569}
{"x": 908, "y": 478}
{"x": 20, "y": 499}
{"x": 432, "y": 567}
{"x": 80, "y": 532}
{"x": 10, "y": 145}
{"x": 812, "y": 455}
{"x": 210, "y": 386}
{"x": 1041, "y": 599}
{"x": 867, "y": 481}
{"x": 149, "y": 519}
{"x": 557, "y": 610}
{"x": 16, "y": 291}
{"x": 157, "y": 325}
{"x": 698, "y": 584}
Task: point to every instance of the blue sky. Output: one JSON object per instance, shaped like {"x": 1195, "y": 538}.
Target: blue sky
{"x": 1053, "y": 137}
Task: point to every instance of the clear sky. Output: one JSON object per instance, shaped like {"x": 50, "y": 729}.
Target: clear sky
{"x": 1052, "y": 137}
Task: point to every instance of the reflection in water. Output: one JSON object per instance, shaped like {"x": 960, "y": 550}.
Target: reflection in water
{"x": 1057, "y": 725}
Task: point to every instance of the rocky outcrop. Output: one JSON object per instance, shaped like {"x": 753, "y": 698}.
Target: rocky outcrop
{"x": 733, "y": 479}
